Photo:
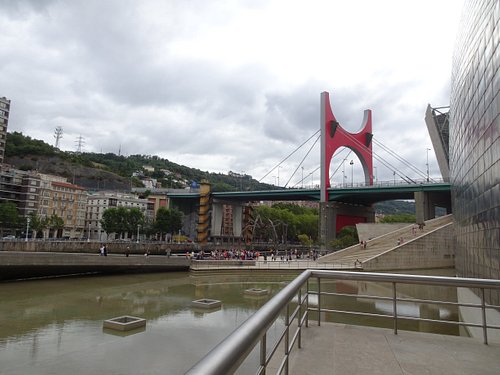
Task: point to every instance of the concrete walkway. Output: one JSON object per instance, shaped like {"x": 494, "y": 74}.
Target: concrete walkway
{"x": 346, "y": 349}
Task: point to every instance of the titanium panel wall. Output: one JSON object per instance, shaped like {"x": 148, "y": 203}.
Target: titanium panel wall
{"x": 475, "y": 142}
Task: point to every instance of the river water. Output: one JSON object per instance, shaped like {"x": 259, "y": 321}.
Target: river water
{"x": 54, "y": 326}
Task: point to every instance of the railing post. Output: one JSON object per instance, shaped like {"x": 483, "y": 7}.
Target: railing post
{"x": 319, "y": 301}
{"x": 263, "y": 350}
{"x": 483, "y": 311}
{"x": 307, "y": 303}
{"x": 299, "y": 318}
{"x": 395, "y": 308}
{"x": 287, "y": 337}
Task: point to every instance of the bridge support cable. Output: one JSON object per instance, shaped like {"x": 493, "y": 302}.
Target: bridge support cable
{"x": 386, "y": 164}
{"x": 302, "y": 161}
{"x": 285, "y": 159}
{"x": 336, "y": 170}
{"x": 308, "y": 175}
{"x": 402, "y": 160}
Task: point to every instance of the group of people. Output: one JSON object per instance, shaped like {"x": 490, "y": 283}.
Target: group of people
{"x": 241, "y": 254}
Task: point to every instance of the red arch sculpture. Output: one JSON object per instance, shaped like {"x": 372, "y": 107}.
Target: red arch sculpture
{"x": 334, "y": 136}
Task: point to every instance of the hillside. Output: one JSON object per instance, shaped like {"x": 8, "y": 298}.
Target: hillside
{"x": 114, "y": 172}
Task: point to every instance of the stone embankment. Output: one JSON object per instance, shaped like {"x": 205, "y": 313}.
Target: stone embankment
{"x": 21, "y": 265}
{"x": 92, "y": 247}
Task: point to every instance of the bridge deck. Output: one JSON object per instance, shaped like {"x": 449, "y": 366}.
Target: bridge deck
{"x": 346, "y": 349}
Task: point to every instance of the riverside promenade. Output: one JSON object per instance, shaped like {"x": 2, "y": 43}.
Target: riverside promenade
{"x": 347, "y": 349}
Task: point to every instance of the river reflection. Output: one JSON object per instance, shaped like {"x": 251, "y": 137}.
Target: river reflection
{"x": 54, "y": 326}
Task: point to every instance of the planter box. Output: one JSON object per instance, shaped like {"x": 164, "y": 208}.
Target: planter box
{"x": 124, "y": 323}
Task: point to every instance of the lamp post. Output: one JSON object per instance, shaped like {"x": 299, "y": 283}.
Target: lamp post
{"x": 352, "y": 172}
{"x": 27, "y": 228}
{"x": 376, "y": 179}
{"x": 138, "y": 226}
{"x": 428, "y": 149}
{"x": 279, "y": 166}
{"x": 343, "y": 172}
{"x": 302, "y": 177}
{"x": 394, "y": 174}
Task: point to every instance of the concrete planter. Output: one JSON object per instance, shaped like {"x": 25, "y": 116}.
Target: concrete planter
{"x": 124, "y": 323}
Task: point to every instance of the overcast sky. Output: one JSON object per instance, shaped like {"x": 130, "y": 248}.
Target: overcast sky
{"x": 228, "y": 85}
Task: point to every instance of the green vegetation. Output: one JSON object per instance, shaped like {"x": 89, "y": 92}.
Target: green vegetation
{"x": 126, "y": 222}
{"x": 43, "y": 227}
{"x": 347, "y": 236}
{"x": 9, "y": 217}
{"x": 399, "y": 218}
{"x": 168, "y": 221}
{"x": 395, "y": 207}
{"x": 19, "y": 145}
{"x": 122, "y": 220}
{"x": 286, "y": 222}
{"x": 169, "y": 174}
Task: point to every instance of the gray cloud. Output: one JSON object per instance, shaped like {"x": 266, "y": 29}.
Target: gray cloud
{"x": 133, "y": 75}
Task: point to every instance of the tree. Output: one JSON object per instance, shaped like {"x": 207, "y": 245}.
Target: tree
{"x": 38, "y": 224}
{"x": 110, "y": 221}
{"x": 168, "y": 220}
{"x": 347, "y": 236}
{"x": 121, "y": 220}
{"x": 135, "y": 220}
{"x": 289, "y": 221}
{"x": 56, "y": 223}
{"x": 9, "y": 217}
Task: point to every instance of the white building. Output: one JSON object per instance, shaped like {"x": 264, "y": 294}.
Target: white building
{"x": 99, "y": 202}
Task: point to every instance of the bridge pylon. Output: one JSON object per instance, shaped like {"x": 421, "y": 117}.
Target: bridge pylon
{"x": 333, "y": 136}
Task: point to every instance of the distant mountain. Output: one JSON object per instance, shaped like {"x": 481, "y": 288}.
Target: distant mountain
{"x": 395, "y": 207}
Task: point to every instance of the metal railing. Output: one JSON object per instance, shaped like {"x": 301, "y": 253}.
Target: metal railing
{"x": 228, "y": 355}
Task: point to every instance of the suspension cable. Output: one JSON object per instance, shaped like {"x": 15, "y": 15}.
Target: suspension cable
{"x": 383, "y": 161}
{"x": 302, "y": 161}
{"x": 293, "y": 152}
{"x": 405, "y": 162}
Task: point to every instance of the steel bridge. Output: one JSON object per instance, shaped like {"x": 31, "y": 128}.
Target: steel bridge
{"x": 357, "y": 194}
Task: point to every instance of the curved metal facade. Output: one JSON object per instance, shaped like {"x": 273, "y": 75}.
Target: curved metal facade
{"x": 475, "y": 141}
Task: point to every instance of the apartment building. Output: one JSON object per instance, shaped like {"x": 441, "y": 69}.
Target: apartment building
{"x": 99, "y": 202}
{"x": 66, "y": 200}
{"x": 4, "y": 121}
{"x": 21, "y": 188}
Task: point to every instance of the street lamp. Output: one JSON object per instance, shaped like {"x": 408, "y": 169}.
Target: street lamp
{"x": 302, "y": 177}
{"x": 27, "y": 227}
{"x": 279, "y": 166}
{"x": 343, "y": 172}
{"x": 138, "y": 226}
{"x": 428, "y": 164}
{"x": 352, "y": 172}
{"x": 394, "y": 174}
{"x": 88, "y": 234}
{"x": 376, "y": 179}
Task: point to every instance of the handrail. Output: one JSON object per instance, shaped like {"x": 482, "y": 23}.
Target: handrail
{"x": 227, "y": 356}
